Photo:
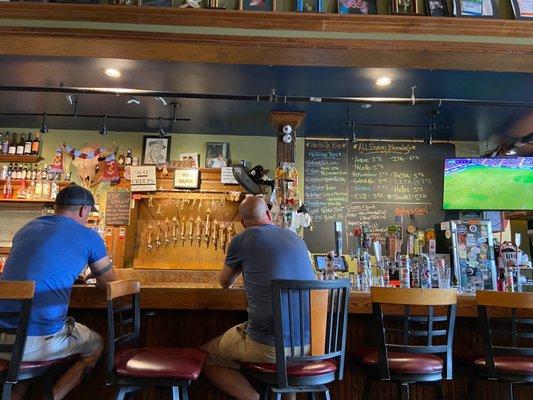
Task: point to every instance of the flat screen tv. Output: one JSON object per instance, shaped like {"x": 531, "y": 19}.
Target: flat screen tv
{"x": 485, "y": 184}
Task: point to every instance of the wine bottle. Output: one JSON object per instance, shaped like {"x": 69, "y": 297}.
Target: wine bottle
{"x": 5, "y": 144}
{"x": 35, "y": 145}
{"x": 13, "y": 145}
{"x": 27, "y": 145}
{"x": 20, "y": 145}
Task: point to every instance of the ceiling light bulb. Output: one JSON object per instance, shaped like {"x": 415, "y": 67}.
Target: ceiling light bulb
{"x": 112, "y": 72}
{"x": 383, "y": 81}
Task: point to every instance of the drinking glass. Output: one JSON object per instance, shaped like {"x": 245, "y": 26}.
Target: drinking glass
{"x": 443, "y": 277}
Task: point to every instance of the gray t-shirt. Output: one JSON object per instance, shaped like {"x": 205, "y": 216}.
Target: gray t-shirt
{"x": 267, "y": 252}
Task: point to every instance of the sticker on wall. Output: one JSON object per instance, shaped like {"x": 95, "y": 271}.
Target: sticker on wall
{"x": 461, "y": 229}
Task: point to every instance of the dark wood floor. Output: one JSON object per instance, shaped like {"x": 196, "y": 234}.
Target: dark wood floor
{"x": 192, "y": 328}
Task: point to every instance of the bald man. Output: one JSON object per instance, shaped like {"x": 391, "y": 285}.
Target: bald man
{"x": 261, "y": 253}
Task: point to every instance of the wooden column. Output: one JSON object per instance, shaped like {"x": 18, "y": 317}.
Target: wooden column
{"x": 278, "y": 119}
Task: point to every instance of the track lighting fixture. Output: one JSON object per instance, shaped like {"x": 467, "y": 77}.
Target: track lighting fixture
{"x": 162, "y": 100}
{"x": 162, "y": 132}
{"x": 44, "y": 128}
{"x": 133, "y": 100}
{"x": 103, "y": 129}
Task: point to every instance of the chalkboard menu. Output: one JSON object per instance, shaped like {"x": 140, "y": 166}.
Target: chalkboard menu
{"x": 371, "y": 183}
{"x": 118, "y": 207}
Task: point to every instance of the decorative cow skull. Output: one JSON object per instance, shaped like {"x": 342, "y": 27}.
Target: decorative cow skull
{"x": 87, "y": 161}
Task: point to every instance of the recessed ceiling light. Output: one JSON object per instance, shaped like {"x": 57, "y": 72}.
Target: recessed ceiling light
{"x": 112, "y": 72}
{"x": 383, "y": 81}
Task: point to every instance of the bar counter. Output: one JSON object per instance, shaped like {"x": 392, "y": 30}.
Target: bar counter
{"x": 190, "y": 314}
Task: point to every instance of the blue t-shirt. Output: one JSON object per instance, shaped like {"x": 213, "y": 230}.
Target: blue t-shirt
{"x": 51, "y": 251}
{"x": 265, "y": 253}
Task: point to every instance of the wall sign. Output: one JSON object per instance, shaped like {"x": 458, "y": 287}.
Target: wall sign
{"x": 227, "y": 177}
{"x": 143, "y": 178}
{"x": 117, "y": 210}
{"x": 186, "y": 178}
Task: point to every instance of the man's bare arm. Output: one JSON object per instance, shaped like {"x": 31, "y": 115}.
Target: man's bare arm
{"x": 228, "y": 276}
{"x": 102, "y": 270}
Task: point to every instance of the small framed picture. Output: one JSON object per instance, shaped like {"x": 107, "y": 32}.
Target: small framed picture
{"x": 404, "y": 7}
{"x": 523, "y": 9}
{"x": 437, "y": 8}
{"x": 475, "y": 8}
{"x": 217, "y": 154}
{"x": 357, "y": 7}
{"x": 192, "y": 157}
{"x": 156, "y": 150}
{"x": 186, "y": 178}
{"x": 311, "y": 6}
{"x": 257, "y": 5}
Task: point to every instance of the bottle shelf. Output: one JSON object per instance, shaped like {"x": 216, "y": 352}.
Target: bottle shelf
{"x": 10, "y": 158}
{"x": 42, "y": 201}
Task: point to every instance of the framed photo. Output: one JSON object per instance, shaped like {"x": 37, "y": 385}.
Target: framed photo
{"x": 192, "y": 157}
{"x": 404, "y": 7}
{"x": 311, "y": 6}
{"x": 217, "y": 154}
{"x": 357, "y": 7}
{"x": 437, "y": 8}
{"x": 257, "y": 5}
{"x": 523, "y": 9}
{"x": 156, "y": 150}
{"x": 475, "y": 8}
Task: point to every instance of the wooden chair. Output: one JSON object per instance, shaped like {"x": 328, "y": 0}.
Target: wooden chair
{"x": 507, "y": 342}
{"x": 132, "y": 367}
{"x": 414, "y": 345}
{"x": 312, "y": 353}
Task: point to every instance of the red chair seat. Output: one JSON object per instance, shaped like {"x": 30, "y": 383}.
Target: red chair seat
{"x": 508, "y": 364}
{"x": 26, "y": 366}
{"x": 160, "y": 362}
{"x": 295, "y": 370}
{"x": 407, "y": 363}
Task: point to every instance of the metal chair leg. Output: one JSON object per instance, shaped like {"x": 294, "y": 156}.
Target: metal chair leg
{"x": 176, "y": 392}
{"x": 185, "y": 392}
{"x": 439, "y": 390}
{"x": 404, "y": 391}
{"x": 326, "y": 395}
{"x": 367, "y": 388}
{"x": 121, "y": 393}
{"x": 6, "y": 391}
{"x": 510, "y": 394}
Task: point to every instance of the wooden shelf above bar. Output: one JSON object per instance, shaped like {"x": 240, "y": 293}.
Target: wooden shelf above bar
{"x": 521, "y": 215}
{"x": 9, "y": 158}
{"x": 27, "y": 201}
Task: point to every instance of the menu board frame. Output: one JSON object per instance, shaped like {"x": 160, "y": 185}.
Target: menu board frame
{"x": 114, "y": 218}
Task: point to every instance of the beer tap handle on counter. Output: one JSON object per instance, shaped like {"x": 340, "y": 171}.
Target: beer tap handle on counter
{"x": 149, "y": 246}
{"x": 166, "y": 240}
{"x": 158, "y": 237}
{"x": 207, "y": 227}
{"x": 222, "y": 236}
{"x": 231, "y": 233}
{"x": 191, "y": 226}
{"x": 198, "y": 230}
{"x": 214, "y": 233}
{"x": 183, "y": 231}
{"x": 174, "y": 229}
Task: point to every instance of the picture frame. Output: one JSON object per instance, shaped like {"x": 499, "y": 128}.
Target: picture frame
{"x": 257, "y": 5}
{"x": 217, "y": 154}
{"x": 475, "y": 8}
{"x": 362, "y": 7}
{"x": 156, "y": 150}
{"x": 309, "y": 6}
{"x": 437, "y": 8}
{"x": 192, "y": 157}
{"x": 522, "y": 9}
{"x": 404, "y": 7}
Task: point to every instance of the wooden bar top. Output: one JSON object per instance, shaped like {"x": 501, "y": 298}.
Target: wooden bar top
{"x": 210, "y": 296}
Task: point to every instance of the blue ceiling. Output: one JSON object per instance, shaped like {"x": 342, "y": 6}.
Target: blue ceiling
{"x": 455, "y": 122}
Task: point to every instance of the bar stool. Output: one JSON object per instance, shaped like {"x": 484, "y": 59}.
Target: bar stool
{"x": 507, "y": 356}
{"x": 310, "y": 354}
{"x": 409, "y": 344}
{"x": 132, "y": 367}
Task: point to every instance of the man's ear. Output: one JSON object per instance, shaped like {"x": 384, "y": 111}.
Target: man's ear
{"x": 269, "y": 215}
{"x": 242, "y": 223}
{"x": 80, "y": 213}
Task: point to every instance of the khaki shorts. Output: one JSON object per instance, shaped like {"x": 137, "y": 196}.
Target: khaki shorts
{"x": 73, "y": 338}
{"x": 235, "y": 347}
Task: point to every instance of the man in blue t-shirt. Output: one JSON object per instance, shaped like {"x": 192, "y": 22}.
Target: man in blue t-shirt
{"x": 262, "y": 252}
{"x": 52, "y": 251}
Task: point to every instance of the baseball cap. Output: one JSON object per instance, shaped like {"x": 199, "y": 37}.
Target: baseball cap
{"x": 75, "y": 195}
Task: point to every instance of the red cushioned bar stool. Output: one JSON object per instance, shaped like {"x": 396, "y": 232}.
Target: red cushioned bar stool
{"x": 507, "y": 340}
{"x": 415, "y": 338}
{"x": 310, "y": 319}
{"x": 15, "y": 370}
{"x": 132, "y": 367}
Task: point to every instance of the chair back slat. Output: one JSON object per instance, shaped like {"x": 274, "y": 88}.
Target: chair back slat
{"x": 123, "y": 318}
{"x": 318, "y": 311}
{"x": 21, "y": 294}
{"x": 429, "y": 333}
{"x": 505, "y": 336}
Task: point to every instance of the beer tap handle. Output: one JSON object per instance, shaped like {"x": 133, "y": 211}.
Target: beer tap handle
{"x": 214, "y": 233}
{"x": 183, "y": 223}
{"x": 191, "y": 226}
{"x": 222, "y": 237}
{"x": 174, "y": 229}
{"x": 167, "y": 240}
{"x": 149, "y": 246}
{"x": 158, "y": 237}
{"x": 198, "y": 230}
{"x": 207, "y": 227}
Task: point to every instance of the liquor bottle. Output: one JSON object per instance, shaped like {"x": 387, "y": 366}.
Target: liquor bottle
{"x": 35, "y": 145}
{"x": 44, "y": 173}
{"x": 46, "y": 188}
{"x": 128, "y": 160}
{"x": 34, "y": 172}
{"x": 27, "y": 145}
{"x": 22, "y": 192}
{"x": 38, "y": 187}
{"x": 5, "y": 171}
{"x": 54, "y": 189}
{"x": 23, "y": 171}
{"x": 8, "y": 188}
{"x": 13, "y": 145}
{"x": 5, "y": 144}
{"x": 20, "y": 145}
{"x": 121, "y": 160}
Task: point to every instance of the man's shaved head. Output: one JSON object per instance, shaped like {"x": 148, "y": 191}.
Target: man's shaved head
{"x": 254, "y": 211}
